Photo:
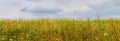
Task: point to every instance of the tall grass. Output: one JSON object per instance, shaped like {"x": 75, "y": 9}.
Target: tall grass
{"x": 60, "y": 30}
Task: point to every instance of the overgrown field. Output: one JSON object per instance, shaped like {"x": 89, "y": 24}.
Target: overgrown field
{"x": 60, "y": 30}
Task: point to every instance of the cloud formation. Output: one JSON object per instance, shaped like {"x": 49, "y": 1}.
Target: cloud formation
{"x": 39, "y": 10}
{"x": 57, "y": 8}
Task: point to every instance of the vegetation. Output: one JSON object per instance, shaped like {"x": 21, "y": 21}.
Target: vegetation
{"x": 60, "y": 30}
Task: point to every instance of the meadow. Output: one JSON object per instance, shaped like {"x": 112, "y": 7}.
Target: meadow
{"x": 60, "y": 30}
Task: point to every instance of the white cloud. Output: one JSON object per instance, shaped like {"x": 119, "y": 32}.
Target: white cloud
{"x": 12, "y": 12}
{"x": 115, "y": 16}
{"x": 95, "y": 2}
{"x": 8, "y": 11}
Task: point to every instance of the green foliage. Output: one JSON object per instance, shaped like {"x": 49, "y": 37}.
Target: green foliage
{"x": 60, "y": 30}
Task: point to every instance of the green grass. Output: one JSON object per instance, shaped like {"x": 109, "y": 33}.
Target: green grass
{"x": 60, "y": 30}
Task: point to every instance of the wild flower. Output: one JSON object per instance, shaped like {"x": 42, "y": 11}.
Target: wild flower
{"x": 11, "y": 40}
{"x": 105, "y": 34}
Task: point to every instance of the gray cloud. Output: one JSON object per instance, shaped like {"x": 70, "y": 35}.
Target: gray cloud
{"x": 42, "y": 10}
{"x": 115, "y": 2}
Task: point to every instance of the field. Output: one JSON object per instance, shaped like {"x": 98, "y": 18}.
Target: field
{"x": 60, "y": 30}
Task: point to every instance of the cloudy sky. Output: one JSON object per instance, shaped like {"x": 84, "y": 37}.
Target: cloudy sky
{"x": 74, "y": 9}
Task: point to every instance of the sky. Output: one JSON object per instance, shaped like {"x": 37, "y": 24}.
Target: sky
{"x": 73, "y": 9}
